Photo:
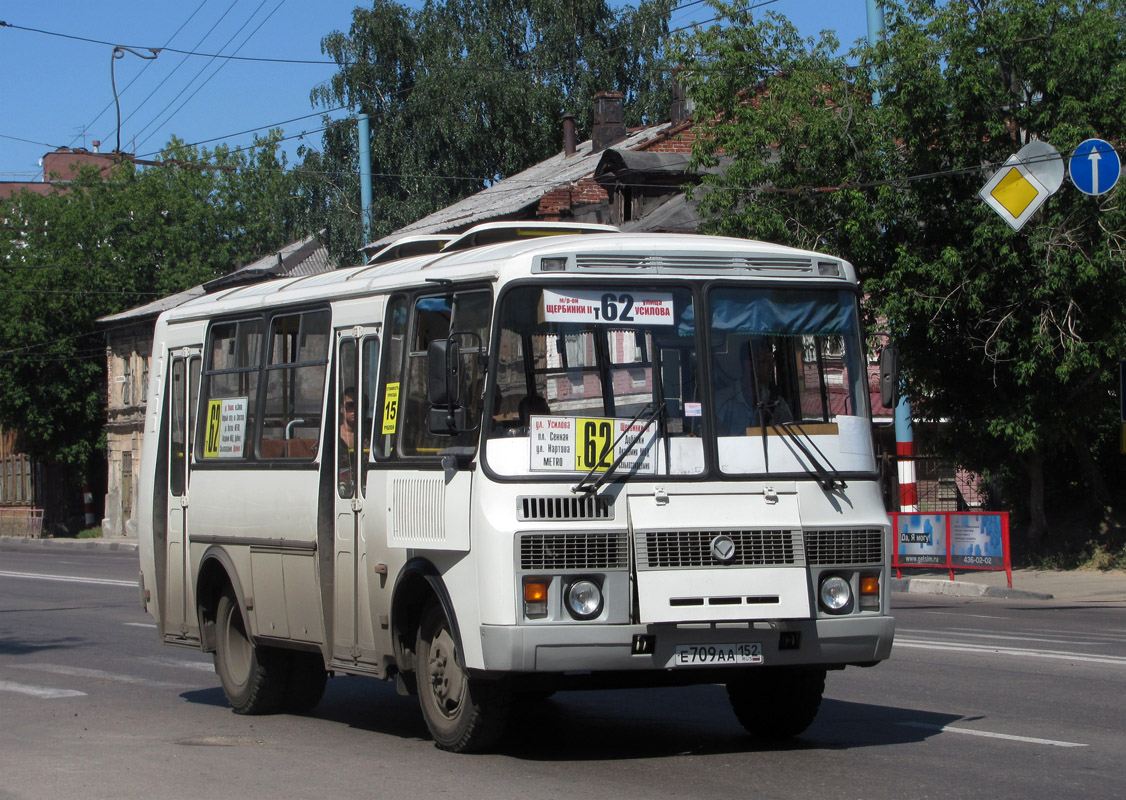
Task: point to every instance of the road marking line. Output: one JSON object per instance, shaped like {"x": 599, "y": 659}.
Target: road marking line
{"x": 956, "y": 614}
{"x": 991, "y": 734}
{"x": 140, "y": 624}
{"x": 1009, "y": 651}
{"x": 67, "y": 578}
{"x": 1025, "y": 638}
{"x": 44, "y": 692}
{"x": 202, "y": 666}
{"x": 96, "y": 674}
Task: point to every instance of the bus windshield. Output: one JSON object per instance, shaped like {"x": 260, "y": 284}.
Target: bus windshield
{"x": 580, "y": 370}
{"x": 788, "y": 370}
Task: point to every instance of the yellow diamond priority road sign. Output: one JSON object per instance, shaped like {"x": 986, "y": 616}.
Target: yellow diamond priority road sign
{"x": 1014, "y": 193}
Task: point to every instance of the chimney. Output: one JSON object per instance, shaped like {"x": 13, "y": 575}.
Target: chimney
{"x": 97, "y": 144}
{"x": 609, "y": 120}
{"x": 569, "y": 142}
{"x": 682, "y": 107}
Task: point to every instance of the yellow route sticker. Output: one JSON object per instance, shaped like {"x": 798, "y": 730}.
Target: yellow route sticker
{"x": 391, "y": 408}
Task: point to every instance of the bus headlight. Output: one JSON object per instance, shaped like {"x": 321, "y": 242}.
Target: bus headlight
{"x": 836, "y": 594}
{"x": 584, "y": 599}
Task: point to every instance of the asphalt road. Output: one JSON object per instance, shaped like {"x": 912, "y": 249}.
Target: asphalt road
{"x": 982, "y": 697}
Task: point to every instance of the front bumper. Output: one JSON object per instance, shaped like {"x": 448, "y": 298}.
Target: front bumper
{"x": 593, "y": 648}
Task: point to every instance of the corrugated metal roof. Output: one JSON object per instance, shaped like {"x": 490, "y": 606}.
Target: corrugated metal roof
{"x": 505, "y": 198}
{"x": 301, "y": 259}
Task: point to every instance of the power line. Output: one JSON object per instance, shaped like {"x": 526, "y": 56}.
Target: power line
{"x": 181, "y": 63}
{"x": 148, "y": 64}
{"x": 170, "y": 49}
{"x": 205, "y": 66}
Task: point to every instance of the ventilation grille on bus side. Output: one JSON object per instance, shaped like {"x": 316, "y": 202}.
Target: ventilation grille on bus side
{"x": 563, "y": 508}
{"x": 690, "y": 262}
{"x": 564, "y": 551}
{"x": 826, "y": 548}
{"x": 677, "y": 549}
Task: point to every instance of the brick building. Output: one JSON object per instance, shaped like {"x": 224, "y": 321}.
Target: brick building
{"x": 62, "y": 166}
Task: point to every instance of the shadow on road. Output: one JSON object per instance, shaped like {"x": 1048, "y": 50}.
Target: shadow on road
{"x": 12, "y": 646}
{"x": 622, "y": 724}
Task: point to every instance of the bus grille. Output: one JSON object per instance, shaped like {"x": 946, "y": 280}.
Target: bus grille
{"x": 677, "y": 549}
{"x": 563, "y": 508}
{"x": 825, "y": 548}
{"x": 562, "y": 551}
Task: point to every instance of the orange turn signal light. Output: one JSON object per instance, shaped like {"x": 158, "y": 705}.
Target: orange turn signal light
{"x": 535, "y": 592}
{"x": 870, "y": 585}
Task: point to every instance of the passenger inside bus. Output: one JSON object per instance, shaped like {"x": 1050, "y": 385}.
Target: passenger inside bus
{"x": 346, "y": 455}
{"x": 532, "y": 405}
{"x": 737, "y": 404}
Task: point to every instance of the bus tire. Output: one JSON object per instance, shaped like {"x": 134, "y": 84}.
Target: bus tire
{"x": 305, "y": 685}
{"x": 253, "y": 677}
{"x": 464, "y": 714}
{"x": 776, "y": 703}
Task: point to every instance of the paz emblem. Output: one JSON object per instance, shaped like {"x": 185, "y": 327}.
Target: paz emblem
{"x": 723, "y": 548}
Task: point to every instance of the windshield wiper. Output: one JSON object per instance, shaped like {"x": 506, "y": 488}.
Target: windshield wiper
{"x": 582, "y": 486}
{"x": 815, "y": 468}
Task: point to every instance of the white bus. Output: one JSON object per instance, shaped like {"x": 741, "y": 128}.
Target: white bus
{"x": 498, "y": 471}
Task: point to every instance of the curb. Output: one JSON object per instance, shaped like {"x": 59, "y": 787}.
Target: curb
{"x": 110, "y": 545}
{"x": 963, "y": 589}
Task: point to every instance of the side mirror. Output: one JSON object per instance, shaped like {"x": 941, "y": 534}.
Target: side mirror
{"x": 889, "y": 376}
{"x": 443, "y": 386}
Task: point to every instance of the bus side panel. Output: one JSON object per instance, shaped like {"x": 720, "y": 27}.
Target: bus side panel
{"x": 151, "y": 496}
{"x": 267, "y": 521}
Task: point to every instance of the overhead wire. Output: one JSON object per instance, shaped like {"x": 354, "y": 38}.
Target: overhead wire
{"x": 148, "y": 63}
{"x": 208, "y": 64}
{"x": 180, "y": 64}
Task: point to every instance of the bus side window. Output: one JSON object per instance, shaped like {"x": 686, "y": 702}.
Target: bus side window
{"x": 295, "y": 380}
{"x": 436, "y": 317}
{"x": 234, "y": 361}
{"x": 386, "y": 424}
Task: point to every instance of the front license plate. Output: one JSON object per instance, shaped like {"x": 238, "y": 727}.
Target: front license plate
{"x": 700, "y": 655}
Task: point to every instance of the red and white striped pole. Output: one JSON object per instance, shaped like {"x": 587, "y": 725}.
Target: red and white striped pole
{"x": 905, "y": 450}
{"x": 88, "y": 504}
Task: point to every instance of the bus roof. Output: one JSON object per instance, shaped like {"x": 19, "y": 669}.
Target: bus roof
{"x": 604, "y": 254}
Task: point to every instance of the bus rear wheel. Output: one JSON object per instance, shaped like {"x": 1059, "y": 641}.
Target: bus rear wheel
{"x": 777, "y": 703}
{"x": 464, "y": 714}
{"x": 253, "y": 677}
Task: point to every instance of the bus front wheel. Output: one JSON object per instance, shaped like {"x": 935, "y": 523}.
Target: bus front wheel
{"x": 463, "y": 714}
{"x": 253, "y": 677}
{"x": 776, "y": 703}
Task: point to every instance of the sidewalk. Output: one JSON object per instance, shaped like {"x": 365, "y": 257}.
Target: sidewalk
{"x": 1077, "y": 586}
{"x": 120, "y": 544}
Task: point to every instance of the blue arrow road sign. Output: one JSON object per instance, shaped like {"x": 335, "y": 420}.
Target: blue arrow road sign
{"x": 1094, "y": 167}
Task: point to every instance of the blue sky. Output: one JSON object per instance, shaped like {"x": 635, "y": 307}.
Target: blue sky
{"x": 56, "y": 91}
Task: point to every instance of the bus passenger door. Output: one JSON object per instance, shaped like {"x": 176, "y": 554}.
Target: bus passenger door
{"x": 357, "y": 360}
{"x": 180, "y": 621}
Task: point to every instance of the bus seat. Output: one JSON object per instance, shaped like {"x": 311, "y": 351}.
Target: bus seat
{"x": 301, "y": 448}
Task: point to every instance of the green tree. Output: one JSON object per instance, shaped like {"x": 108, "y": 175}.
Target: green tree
{"x": 1012, "y": 338}
{"x": 465, "y": 92}
{"x": 97, "y": 246}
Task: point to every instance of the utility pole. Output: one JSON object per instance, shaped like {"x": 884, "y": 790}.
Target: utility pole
{"x": 904, "y": 430}
{"x": 364, "y": 134}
